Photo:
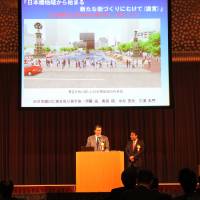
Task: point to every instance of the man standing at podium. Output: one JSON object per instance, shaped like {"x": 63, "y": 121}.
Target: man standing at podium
{"x": 98, "y": 141}
{"x": 134, "y": 151}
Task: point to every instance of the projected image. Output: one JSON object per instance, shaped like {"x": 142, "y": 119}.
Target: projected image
{"x": 92, "y": 53}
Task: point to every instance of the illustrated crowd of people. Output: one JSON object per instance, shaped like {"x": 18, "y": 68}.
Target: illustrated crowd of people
{"x": 79, "y": 63}
{"x": 99, "y": 61}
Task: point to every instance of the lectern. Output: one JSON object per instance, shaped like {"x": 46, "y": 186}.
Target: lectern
{"x": 98, "y": 171}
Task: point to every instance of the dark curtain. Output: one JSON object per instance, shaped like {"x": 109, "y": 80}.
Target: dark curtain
{"x": 38, "y": 146}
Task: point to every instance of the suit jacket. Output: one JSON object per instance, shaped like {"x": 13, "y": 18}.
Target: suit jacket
{"x": 116, "y": 193}
{"x": 193, "y": 196}
{"x": 140, "y": 193}
{"x": 138, "y": 153}
{"x": 91, "y": 142}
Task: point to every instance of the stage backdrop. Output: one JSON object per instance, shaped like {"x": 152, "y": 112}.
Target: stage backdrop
{"x": 38, "y": 146}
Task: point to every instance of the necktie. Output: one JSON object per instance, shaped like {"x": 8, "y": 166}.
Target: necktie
{"x": 98, "y": 142}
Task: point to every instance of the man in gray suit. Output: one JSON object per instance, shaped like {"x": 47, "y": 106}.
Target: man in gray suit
{"x": 98, "y": 141}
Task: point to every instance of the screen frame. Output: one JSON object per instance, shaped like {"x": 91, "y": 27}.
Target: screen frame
{"x": 20, "y": 61}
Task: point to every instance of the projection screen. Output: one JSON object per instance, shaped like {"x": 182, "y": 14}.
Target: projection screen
{"x": 94, "y": 53}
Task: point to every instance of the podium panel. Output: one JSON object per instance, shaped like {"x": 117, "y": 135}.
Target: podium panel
{"x": 98, "y": 171}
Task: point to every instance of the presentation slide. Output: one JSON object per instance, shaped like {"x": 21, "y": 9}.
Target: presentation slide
{"x": 94, "y": 53}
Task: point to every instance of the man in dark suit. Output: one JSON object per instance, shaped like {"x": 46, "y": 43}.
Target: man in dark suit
{"x": 98, "y": 141}
{"x": 134, "y": 151}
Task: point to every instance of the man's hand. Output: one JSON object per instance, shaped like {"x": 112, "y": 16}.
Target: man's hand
{"x": 131, "y": 158}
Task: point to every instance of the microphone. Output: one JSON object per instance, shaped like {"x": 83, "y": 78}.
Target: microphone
{"x": 98, "y": 142}
{"x": 101, "y": 143}
{"x": 98, "y": 139}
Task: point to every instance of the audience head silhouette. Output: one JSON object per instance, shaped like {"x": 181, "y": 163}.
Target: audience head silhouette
{"x": 145, "y": 178}
{"x": 128, "y": 177}
{"x": 198, "y": 188}
{"x": 188, "y": 180}
{"x": 6, "y": 189}
{"x": 154, "y": 184}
